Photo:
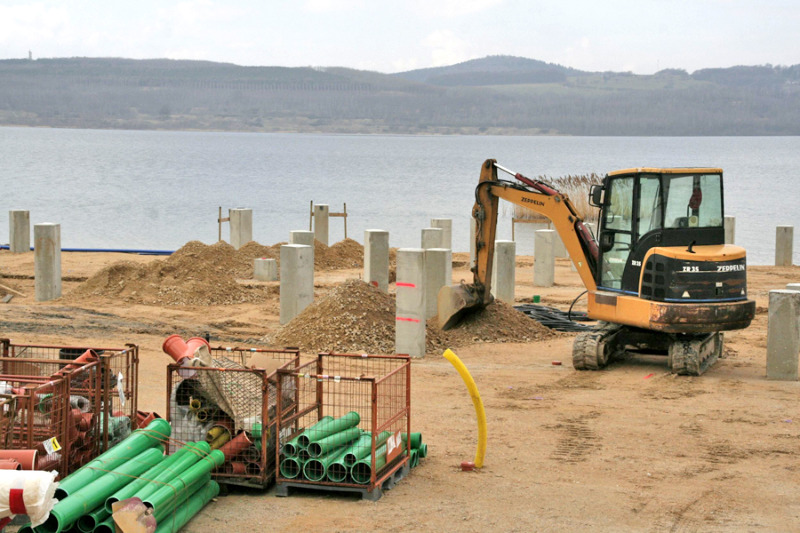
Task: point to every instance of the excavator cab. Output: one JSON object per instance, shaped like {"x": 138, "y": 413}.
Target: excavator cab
{"x": 662, "y": 238}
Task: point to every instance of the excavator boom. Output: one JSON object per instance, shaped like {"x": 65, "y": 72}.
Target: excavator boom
{"x": 455, "y": 301}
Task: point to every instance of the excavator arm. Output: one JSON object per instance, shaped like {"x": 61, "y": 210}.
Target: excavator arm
{"x": 454, "y": 301}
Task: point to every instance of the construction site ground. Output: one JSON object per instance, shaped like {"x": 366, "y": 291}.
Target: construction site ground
{"x": 629, "y": 448}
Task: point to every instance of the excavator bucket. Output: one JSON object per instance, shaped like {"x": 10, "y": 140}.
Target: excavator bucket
{"x": 455, "y": 301}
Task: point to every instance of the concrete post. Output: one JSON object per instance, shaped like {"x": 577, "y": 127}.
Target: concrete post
{"x": 793, "y": 286}
{"x": 446, "y": 225}
{"x": 504, "y": 271}
{"x": 19, "y": 226}
{"x": 306, "y": 238}
{"x": 241, "y": 221}
{"x": 376, "y": 258}
{"x": 438, "y": 273}
{"x": 784, "y": 240}
{"x": 321, "y": 218}
{"x": 473, "y": 229}
{"x": 783, "y": 335}
{"x": 432, "y": 238}
{"x": 410, "y": 319}
{"x": 47, "y": 261}
{"x": 297, "y": 280}
{"x": 730, "y": 229}
{"x": 544, "y": 265}
{"x": 265, "y": 269}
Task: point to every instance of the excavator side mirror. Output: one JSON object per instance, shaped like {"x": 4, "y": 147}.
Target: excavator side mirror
{"x": 596, "y": 195}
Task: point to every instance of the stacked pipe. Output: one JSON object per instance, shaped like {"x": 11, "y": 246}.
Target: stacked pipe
{"x": 135, "y": 477}
{"x": 419, "y": 449}
{"x": 333, "y": 450}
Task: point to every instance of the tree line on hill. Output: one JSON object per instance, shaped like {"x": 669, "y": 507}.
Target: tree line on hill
{"x": 498, "y": 95}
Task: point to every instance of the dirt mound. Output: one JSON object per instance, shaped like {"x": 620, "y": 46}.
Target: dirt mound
{"x": 357, "y": 317}
{"x": 343, "y": 254}
{"x": 497, "y": 322}
{"x": 353, "y": 317}
{"x": 197, "y": 274}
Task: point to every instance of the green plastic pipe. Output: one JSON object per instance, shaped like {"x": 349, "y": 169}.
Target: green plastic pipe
{"x": 291, "y": 467}
{"x": 363, "y": 447}
{"x": 291, "y": 448}
{"x": 423, "y": 451}
{"x": 108, "y": 525}
{"x": 321, "y": 430}
{"x": 333, "y": 442}
{"x": 413, "y": 459}
{"x": 256, "y": 431}
{"x": 416, "y": 439}
{"x": 316, "y": 468}
{"x": 178, "y": 499}
{"x": 362, "y": 470}
{"x": 161, "y": 474}
{"x": 157, "y": 431}
{"x": 161, "y": 498}
{"x": 83, "y": 501}
{"x": 88, "y": 522}
{"x": 191, "y": 507}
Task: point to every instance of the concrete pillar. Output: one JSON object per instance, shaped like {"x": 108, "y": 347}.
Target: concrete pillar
{"x": 265, "y": 269}
{"x": 301, "y": 237}
{"x": 432, "y": 238}
{"x": 19, "y": 229}
{"x": 241, "y": 221}
{"x": 793, "y": 286}
{"x": 297, "y": 280}
{"x": 446, "y": 225}
{"x": 376, "y": 258}
{"x": 321, "y": 218}
{"x": 784, "y": 240}
{"x": 473, "y": 229}
{"x": 544, "y": 264}
{"x": 304, "y": 237}
{"x": 783, "y": 335}
{"x": 410, "y": 319}
{"x": 730, "y": 229}
{"x": 47, "y": 261}
{"x": 438, "y": 273}
{"x": 504, "y": 271}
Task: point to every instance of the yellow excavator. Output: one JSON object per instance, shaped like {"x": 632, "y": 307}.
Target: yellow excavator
{"x": 660, "y": 278}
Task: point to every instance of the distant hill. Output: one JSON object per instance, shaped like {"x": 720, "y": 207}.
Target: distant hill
{"x": 492, "y": 70}
{"x": 492, "y": 95}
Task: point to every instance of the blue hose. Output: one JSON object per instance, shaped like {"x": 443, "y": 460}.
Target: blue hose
{"x": 108, "y": 250}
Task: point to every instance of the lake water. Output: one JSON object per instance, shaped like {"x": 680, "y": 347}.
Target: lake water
{"x": 159, "y": 190}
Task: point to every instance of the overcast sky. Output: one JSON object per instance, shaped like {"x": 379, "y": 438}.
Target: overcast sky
{"x": 641, "y": 36}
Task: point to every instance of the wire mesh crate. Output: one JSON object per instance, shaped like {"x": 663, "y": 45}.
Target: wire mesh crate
{"x": 348, "y": 430}
{"x": 8, "y": 414}
{"x": 232, "y": 407}
{"x": 72, "y": 403}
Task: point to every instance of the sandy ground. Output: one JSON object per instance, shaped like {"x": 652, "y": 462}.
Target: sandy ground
{"x": 629, "y": 448}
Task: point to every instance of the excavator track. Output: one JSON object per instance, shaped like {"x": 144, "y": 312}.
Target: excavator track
{"x": 594, "y": 349}
{"x": 693, "y": 355}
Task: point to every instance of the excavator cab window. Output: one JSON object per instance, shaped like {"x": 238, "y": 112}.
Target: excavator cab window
{"x": 617, "y": 236}
{"x": 694, "y": 201}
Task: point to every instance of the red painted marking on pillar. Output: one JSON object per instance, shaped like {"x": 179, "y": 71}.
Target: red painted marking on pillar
{"x": 403, "y": 284}
{"x": 373, "y": 283}
{"x": 406, "y": 319}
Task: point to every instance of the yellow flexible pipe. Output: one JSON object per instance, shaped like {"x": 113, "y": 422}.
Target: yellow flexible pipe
{"x": 476, "y": 400}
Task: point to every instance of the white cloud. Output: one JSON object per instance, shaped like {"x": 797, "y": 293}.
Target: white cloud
{"x": 26, "y": 25}
{"x": 329, "y": 6}
{"x": 453, "y": 8}
{"x": 446, "y": 48}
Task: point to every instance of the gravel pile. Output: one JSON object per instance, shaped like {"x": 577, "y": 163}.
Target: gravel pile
{"x": 357, "y": 317}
